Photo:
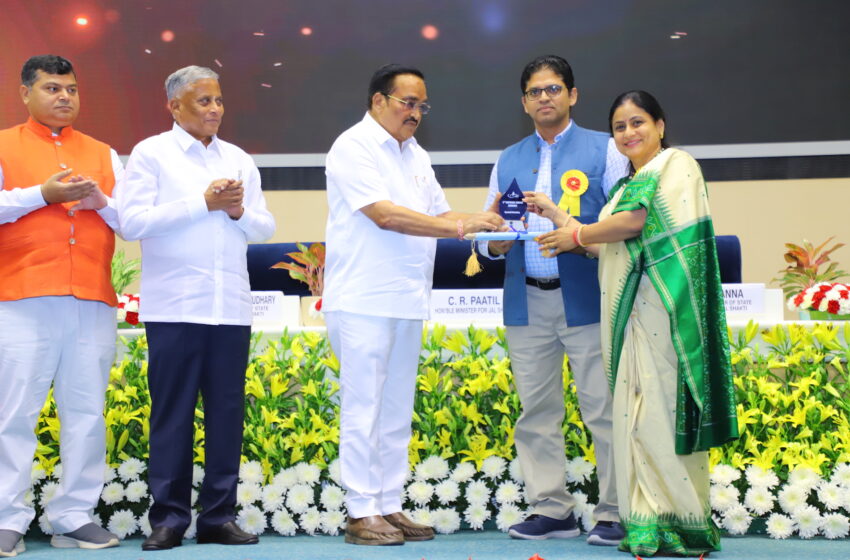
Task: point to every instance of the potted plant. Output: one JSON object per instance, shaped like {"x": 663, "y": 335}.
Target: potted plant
{"x": 308, "y": 266}
{"x": 810, "y": 289}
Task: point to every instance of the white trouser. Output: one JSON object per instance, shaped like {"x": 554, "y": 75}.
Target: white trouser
{"x": 378, "y": 359}
{"x": 71, "y": 344}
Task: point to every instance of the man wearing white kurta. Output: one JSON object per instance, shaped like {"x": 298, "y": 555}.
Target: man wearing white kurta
{"x": 386, "y": 208}
{"x": 195, "y": 202}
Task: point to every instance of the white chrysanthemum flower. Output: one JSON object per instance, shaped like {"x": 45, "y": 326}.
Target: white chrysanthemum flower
{"x": 724, "y": 475}
{"x": 493, "y": 467}
{"x": 145, "y": 524}
{"x": 44, "y": 524}
{"x": 509, "y": 493}
{"x": 272, "y": 497}
{"x": 447, "y": 491}
{"x": 252, "y": 520}
{"x": 29, "y": 498}
{"x": 737, "y": 520}
{"x": 831, "y": 495}
{"x": 579, "y": 470}
{"x": 780, "y": 526}
{"x": 760, "y": 478}
{"x": 841, "y": 475}
{"x": 332, "y": 521}
{"x": 112, "y": 493}
{"x": 792, "y": 497}
{"x": 332, "y": 497}
{"x": 311, "y": 521}
{"x": 432, "y": 468}
{"x": 307, "y": 473}
{"x": 192, "y": 530}
{"x": 422, "y": 516}
{"x": 248, "y": 493}
{"x": 136, "y": 490}
{"x": 333, "y": 472}
{"x": 123, "y": 523}
{"x": 57, "y": 471}
{"x": 515, "y": 470}
{"x": 251, "y": 472}
{"x": 508, "y": 515}
{"x": 581, "y": 500}
{"x": 808, "y": 521}
{"x": 804, "y": 477}
{"x": 285, "y": 479}
{"x": 283, "y": 523}
{"x": 463, "y": 472}
{"x": 37, "y": 472}
{"x": 446, "y": 520}
{"x": 194, "y": 497}
{"x": 759, "y": 500}
{"x": 835, "y": 526}
{"x": 477, "y": 492}
{"x": 131, "y": 469}
{"x": 722, "y": 498}
{"x": 475, "y": 515}
{"x": 587, "y": 520}
{"x": 420, "y": 492}
{"x": 300, "y": 498}
{"x": 109, "y": 474}
{"x": 197, "y": 475}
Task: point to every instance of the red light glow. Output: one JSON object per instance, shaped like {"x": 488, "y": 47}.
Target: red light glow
{"x": 82, "y": 21}
{"x": 167, "y": 36}
{"x": 430, "y": 32}
{"x": 306, "y": 31}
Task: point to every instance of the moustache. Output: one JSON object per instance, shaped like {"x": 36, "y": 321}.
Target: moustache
{"x": 411, "y": 120}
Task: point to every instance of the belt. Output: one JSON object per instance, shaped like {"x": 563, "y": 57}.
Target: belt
{"x": 551, "y": 284}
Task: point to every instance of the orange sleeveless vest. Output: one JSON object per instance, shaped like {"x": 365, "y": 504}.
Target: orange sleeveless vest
{"x": 53, "y": 251}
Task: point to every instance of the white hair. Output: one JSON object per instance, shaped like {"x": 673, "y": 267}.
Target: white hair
{"x": 175, "y": 83}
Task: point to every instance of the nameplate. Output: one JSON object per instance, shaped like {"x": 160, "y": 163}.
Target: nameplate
{"x": 746, "y": 299}
{"x": 470, "y": 306}
{"x": 273, "y": 310}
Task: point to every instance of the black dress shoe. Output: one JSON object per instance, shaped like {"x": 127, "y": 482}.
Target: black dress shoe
{"x": 227, "y": 533}
{"x": 163, "y": 538}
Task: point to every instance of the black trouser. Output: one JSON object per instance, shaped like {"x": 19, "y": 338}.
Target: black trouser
{"x": 186, "y": 358}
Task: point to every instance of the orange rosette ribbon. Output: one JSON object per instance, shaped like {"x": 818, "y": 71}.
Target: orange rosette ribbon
{"x": 574, "y": 183}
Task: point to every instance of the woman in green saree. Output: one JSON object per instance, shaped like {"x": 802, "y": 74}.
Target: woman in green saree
{"x": 663, "y": 333}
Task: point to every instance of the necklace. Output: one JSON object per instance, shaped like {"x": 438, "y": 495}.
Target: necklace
{"x": 636, "y": 171}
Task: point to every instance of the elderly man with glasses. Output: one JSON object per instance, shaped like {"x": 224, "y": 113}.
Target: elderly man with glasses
{"x": 386, "y": 208}
{"x": 551, "y": 306}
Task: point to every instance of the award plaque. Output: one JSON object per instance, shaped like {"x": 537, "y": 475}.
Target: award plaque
{"x": 511, "y": 206}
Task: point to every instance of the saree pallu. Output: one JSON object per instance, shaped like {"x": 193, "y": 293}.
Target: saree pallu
{"x": 666, "y": 355}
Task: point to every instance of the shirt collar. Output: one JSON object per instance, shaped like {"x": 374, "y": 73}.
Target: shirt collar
{"x": 186, "y": 140}
{"x": 45, "y": 132}
{"x": 380, "y": 134}
{"x": 557, "y": 136}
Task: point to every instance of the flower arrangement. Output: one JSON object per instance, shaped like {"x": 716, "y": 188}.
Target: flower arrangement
{"x": 824, "y": 297}
{"x": 128, "y": 309}
{"x": 788, "y": 473}
{"x": 804, "y": 269}
{"x": 308, "y": 266}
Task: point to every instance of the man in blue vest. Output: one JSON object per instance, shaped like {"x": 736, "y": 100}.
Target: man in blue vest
{"x": 551, "y": 305}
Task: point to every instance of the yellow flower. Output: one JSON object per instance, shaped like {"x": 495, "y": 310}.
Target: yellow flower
{"x": 775, "y": 336}
{"x": 430, "y": 381}
{"x": 309, "y": 389}
{"x": 456, "y": 342}
{"x": 296, "y": 348}
{"x": 442, "y": 416}
{"x": 747, "y": 416}
{"x": 477, "y": 451}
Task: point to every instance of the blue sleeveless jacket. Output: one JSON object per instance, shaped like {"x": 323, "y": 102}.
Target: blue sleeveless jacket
{"x": 582, "y": 149}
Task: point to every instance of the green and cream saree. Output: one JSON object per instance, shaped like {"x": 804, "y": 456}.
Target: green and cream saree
{"x": 666, "y": 355}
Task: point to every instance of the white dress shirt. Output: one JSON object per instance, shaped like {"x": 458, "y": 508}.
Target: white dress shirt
{"x": 194, "y": 261}
{"x": 536, "y": 265}
{"x": 369, "y": 270}
{"x": 19, "y": 202}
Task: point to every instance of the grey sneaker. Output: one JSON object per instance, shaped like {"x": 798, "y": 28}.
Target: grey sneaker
{"x": 89, "y": 536}
{"x": 11, "y": 543}
{"x": 606, "y": 533}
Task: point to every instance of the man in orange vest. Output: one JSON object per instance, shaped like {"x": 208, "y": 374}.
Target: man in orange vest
{"x": 57, "y": 305}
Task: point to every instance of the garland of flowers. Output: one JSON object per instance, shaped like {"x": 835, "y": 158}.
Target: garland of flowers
{"x": 790, "y": 468}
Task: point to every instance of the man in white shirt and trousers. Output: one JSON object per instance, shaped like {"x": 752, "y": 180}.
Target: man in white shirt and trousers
{"x": 195, "y": 202}
{"x": 386, "y": 208}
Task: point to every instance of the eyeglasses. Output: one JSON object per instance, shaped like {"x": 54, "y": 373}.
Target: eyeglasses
{"x": 424, "y": 108}
{"x": 553, "y": 90}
